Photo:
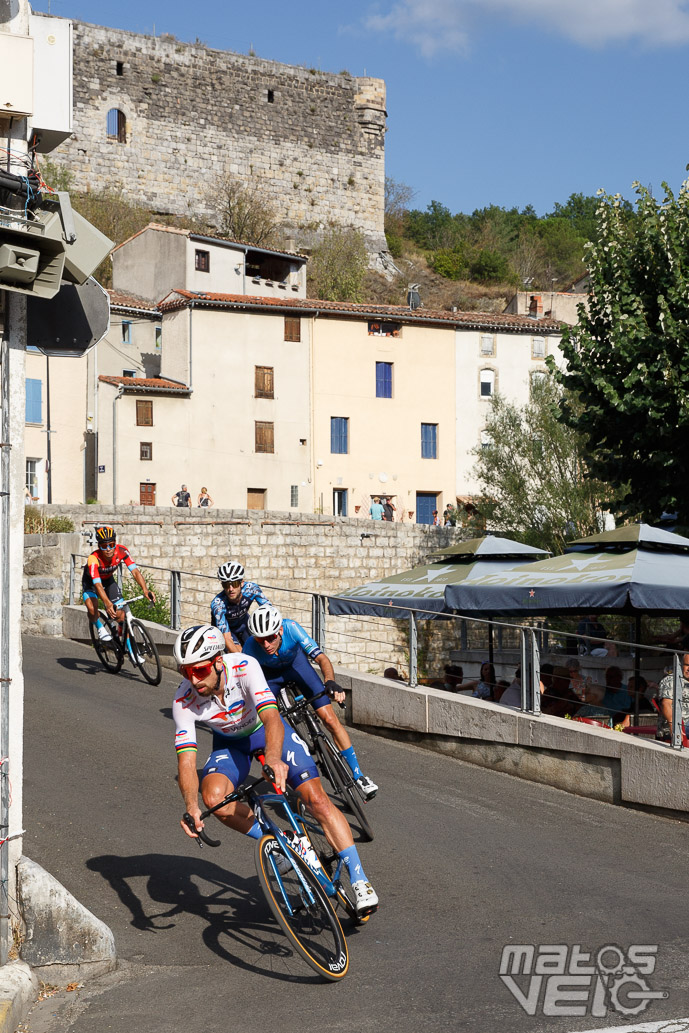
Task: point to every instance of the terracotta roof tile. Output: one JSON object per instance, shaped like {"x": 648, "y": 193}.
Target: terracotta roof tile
{"x": 208, "y": 236}
{"x": 144, "y": 384}
{"x": 131, "y": 301}
{"x": 181, "y": 298}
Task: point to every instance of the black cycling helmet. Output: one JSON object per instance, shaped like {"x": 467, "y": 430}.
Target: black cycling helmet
{"x": 105, "y": 535}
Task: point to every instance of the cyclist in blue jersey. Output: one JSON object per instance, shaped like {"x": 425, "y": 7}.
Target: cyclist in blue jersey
{"x": 229, "y": 695}
{"x": 284, "y": 650}
{"x": 230, "y": 608}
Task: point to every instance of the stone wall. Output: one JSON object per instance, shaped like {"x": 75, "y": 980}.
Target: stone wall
{"x": 291, "y": 555}
{"x": 44, "y": 588}
{"x": 314, "y": 140}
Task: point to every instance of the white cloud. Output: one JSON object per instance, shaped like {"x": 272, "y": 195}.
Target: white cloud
{"x": 435, "y": 26}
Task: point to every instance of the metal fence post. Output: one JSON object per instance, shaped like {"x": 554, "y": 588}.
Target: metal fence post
{"x": 535, "y": 672}
{"x": 676, "y": 703}
{"x": 524, "y": 669}
{"x": 413, "y": 649}
{"x": 318, "y": 620}
{"x": 72, "y": 569}
{"x": 175, "y": 599}
{"x": 463, "y": 636}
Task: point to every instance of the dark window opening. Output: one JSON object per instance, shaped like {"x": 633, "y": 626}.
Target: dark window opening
{"x": 379, "y": 329}
{"x": 271, "y": 96}
{"x": 119, "y": 68}
{"x": 145, "y": 450}
{"x": 116, "y": 125}
{"x": 202, "y": 261}
{"x": 268, "y": 267}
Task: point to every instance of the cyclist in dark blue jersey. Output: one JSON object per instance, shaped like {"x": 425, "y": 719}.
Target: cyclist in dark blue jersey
{"x": 230, "y": 608}
{"x": 284, "y": 650}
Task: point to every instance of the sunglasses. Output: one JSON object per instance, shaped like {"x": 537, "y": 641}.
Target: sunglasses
{"x": 198, "y": 670}
{"x": 267, "y": 638}
{"x": 108, "y": 548}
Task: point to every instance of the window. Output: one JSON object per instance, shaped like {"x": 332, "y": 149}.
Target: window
{"x": 487, "y": 383}
{"x": 147, "y": 493}
{"x": 377, "y": 328}
{"x": 32, "y": 477}
{"x": 294, "y": 496}
{"x": 292, "y": 328}
{"x": 159, "y": 338}
{"x": 429, "y": 440}
{"x": 263, "y": 382}
{"x": 383, "y": 380}
{"x": 202, "y": 261}
{"x": 126, "y": 331}
{"x": 265, "y": 436}
{"x": 271, "y": 96}
{"x": 146, "y": 450}
{"x": 255, "y": 498}
{"x": 487, "y": 344}
{"x": 537, "y": 377}
{"x": 485, "y": 439}
{"x": 128, "y": 372}
{"x": 144, "y": 413}
{"x": 339, "y": 434}
{"x": 119, "y": 68}
{"x": 340, "y": 502}
{"x": 33, "y": 400}
{"x": 116, "y": 125}
{"x": 538, "y": 347}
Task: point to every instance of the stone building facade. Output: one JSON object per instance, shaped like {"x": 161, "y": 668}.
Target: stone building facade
{"x": 165, "y": 119}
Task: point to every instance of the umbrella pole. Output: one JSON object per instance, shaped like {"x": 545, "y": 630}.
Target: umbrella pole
{"x": 490, "y": 643}
{"x": 637, "y": 665}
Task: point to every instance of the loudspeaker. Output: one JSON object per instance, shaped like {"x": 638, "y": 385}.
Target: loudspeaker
{"x": 30, "y": 262}
{"x": 72, "y": 322}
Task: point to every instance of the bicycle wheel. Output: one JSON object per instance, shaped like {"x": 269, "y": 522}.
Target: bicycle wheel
{"x": 327, "y": 855}
{"x": 109, "y": 653}
{"x": 342, "y": 781}
{"x": 145, "y": 653}
{"x": 303, "y": 911}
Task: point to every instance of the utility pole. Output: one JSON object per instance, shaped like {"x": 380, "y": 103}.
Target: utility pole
{"x": 14, "y": 19}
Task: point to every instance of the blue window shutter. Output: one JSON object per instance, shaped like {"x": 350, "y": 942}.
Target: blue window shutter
{"x": 338, "y": 434}
{"x": 429, "y": 441}
{"x": 383, "y": 380}
{"x": 33, "y": 400}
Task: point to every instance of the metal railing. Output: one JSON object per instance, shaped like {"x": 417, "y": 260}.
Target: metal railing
{"x": 533, "y": 638}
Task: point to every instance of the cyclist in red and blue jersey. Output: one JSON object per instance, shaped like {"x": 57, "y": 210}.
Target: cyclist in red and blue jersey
{"x": 284, "y": 650}
{"x": 98, "y": 579}
{"x": 230, "y": 608}
{"x": 228, "y": 693}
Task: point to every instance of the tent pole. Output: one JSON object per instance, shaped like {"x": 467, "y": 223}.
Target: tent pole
{"x": 637, "y": 664}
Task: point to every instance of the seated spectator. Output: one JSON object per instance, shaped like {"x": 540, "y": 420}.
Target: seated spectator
{"x": 665, "y": 694}
{"x": 483, "y": 686}
{"x": 593, "y": 707}
{"x": 512, "y": 695}
{"x": 546, "y": 676}
{"x": 454, "y": 676}
{"x": 646, "y": 692}
{"x": 392, "y": 673}
{"x": 616, "y": 698}
{"x": 499, "y": 689}
{"x": 605, "y": 649}
{"x": 594, "y": 631}
{"x": 558, "y": 698}
{"x": 576, "y": 679}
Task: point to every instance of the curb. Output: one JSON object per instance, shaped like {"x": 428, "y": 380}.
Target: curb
{"x": 18, "y": 993}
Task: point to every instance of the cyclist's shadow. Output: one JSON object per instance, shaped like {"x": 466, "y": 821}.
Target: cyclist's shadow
{"x": 86, "y": 666}
{"x": 233, "y": 908}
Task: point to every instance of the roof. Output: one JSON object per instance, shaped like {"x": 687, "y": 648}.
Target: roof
{"x": 178, "y": 298}
{"x": 132, "y": 303}
{"x": 147, "y": 385}
{"x": 191, "y": 235}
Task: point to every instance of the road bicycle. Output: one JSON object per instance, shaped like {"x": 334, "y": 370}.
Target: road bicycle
{"x": 297, "y": 886}
{"x": 305, "y": 721}
{"x": 129, "y": 639}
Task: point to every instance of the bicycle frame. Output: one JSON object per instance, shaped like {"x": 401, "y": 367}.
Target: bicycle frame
{"x": 124, "y": 604}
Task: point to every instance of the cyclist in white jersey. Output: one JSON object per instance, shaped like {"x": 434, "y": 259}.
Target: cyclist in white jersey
{"x": 230, "y": 695}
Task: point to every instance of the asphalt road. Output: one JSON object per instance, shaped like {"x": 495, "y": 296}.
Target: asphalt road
{"x": 465, "y": 861}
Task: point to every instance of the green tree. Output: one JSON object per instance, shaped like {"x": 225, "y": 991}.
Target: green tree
{"x": 242, "y": 212}
{"x": 628, "y": 356}
{"x": 338, "y": 265}
{"x": 531, "y": 470}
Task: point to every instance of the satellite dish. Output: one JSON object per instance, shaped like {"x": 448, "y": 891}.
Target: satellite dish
{"x": 71, "y": 323}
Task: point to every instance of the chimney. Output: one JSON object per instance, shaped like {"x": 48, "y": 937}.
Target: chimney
{"x": 536, "y": 306}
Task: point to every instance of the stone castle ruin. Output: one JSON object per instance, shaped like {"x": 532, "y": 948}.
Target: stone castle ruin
{"x": 166, "y": 120}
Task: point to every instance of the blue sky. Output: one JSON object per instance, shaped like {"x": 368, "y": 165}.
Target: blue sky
{"x": 507, "y": 102}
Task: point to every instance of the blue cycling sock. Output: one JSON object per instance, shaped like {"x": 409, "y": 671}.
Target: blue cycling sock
{"x": 350, "y": 756}
{"x": 350, "y": 856}
{"x": 99, "y": 623}
{"x": 255, "y": 832}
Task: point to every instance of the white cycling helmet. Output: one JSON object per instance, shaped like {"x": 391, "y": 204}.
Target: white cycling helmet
{"x": 198, "y": 643}
{"x": 265, "y": 620}
{"x": 230, "y": 571}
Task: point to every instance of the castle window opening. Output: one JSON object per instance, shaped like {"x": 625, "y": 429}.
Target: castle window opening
{"x": 119, "y": 67}
{"x": 271, "y": 97}
{"x": 116, "y": 125}
{"x": 202, "y": 261}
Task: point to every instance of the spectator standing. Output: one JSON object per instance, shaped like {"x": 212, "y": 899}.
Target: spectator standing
{"x": 665, "y": 699}
{"x": 182, "y": 498}
{"x": 376, "y": 510}
{"x": 594, "y": 631}
{"x": 449, "y": 516}
{"x": 436, "y": 519}
{"x": 204, "y": 498}
{"x": 388, "y": 510}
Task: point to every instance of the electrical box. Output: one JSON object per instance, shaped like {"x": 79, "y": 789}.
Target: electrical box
{"x": 52, "y": 113}
{"x": 16, "y": 75}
